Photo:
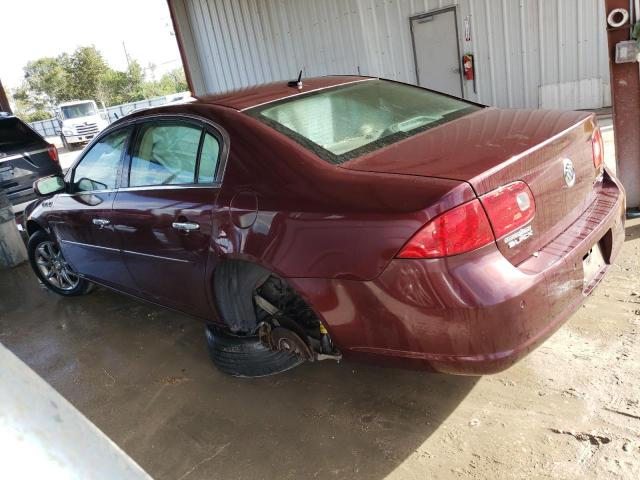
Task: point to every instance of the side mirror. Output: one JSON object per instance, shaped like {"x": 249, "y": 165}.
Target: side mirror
{"x": 88, "y": 185}
{"x": 49, "y": 185}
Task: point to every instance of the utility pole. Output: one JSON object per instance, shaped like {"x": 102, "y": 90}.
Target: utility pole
{"x": 126, "y": 54}
{"x": 4, "y": 101}
{"x": 625, "y": 90}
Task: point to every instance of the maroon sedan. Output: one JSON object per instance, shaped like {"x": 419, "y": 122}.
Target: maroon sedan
{"x": 346, "y": 217}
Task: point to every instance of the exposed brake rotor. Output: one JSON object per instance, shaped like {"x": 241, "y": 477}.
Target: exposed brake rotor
{"x": 287, "y": 341}
{"x": 281, "y": 339}
{"x": 282, "y": 334}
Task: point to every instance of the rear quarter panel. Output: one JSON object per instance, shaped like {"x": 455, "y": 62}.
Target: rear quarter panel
{"x": 313, "y": 219}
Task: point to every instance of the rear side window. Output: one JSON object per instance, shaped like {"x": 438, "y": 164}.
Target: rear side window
{"x": 165, "y": 154}
{"x": 98, "y": 169}
{"x": 348, "y": 121}
{"x": 15, "y": 135}
{"x": 209, "y": 159}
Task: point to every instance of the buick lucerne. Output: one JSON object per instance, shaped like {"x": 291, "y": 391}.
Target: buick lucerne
{"x": 343, "y": 217}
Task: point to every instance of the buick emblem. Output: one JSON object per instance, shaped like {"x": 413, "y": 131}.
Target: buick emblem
{"x": 568, "y": 172}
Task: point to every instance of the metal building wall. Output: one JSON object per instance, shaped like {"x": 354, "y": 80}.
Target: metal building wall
{"x": 528, "y": 53}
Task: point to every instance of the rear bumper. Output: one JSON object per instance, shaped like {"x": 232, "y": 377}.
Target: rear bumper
{"x": 472, "y": 314}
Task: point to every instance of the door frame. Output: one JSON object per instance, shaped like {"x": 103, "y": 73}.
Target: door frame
{"x": 431, "y": 13}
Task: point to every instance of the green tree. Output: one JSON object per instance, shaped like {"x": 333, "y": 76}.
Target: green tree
{"x": 174, "y": 81}
{"x": 29, "y": 107}
{"x": 125, "y": 87}
{"x": 36, "y": 116}
{"x": 135, "y": 82}
{"x": 171, "y": 82}
{"x": 114, "y": 87}
{"x": 87, "y": 69}
{"x": 46, "y": 81}
{"x": 85, "y": 75}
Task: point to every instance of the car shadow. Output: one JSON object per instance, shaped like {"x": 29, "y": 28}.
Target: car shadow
{"x": 142, "y": 375}
{"x": 632, "y": 232}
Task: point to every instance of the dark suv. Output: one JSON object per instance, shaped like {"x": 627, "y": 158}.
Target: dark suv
{"x": 24, "y": 157}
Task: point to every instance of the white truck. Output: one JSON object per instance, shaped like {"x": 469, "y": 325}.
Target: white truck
{"x": 79, "y": 122}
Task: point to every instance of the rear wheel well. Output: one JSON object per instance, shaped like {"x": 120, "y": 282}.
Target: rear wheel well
{"x": 236, "y": 284}
{"x": 269, "y": 328}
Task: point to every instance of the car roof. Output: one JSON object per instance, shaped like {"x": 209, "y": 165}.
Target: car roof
{"x": 250, "y": 97}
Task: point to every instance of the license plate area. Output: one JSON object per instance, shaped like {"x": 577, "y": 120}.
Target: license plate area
{"x": 592, "y": 265}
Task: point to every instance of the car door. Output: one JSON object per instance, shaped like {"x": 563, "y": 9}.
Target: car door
{"x": 165, "y": 212}
{"x": 83, "y": 222}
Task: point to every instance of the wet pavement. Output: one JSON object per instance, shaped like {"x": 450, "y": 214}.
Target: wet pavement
{"x": 142, "y": 375}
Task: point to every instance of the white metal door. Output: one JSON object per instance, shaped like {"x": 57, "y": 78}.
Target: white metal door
{"x": 435, "y": 41}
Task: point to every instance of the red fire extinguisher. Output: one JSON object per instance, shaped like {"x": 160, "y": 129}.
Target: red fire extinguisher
{"x": 467, "y": 64}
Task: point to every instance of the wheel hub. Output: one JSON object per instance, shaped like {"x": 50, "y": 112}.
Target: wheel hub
{"x": 53, "y": 268}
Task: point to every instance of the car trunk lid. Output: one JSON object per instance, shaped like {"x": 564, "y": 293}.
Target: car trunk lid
{"x": 493, "y": 148}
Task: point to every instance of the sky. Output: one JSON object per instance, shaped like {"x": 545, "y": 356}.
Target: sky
{"x": 36, "y": 28}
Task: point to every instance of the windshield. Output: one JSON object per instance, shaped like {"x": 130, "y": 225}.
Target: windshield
{"x": 15, "y": 135}
{"x": 345, "y": 122}
{"x": 78, "y": 110}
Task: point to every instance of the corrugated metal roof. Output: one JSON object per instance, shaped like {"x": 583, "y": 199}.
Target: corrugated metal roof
{"x": 525, "y": 50}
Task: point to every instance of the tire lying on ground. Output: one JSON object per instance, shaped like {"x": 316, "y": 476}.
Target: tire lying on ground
{"x": 247, "y": 356}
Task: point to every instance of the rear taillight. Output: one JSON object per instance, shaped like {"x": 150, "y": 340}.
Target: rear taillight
{"x": 53, "y": 153}
{"x": 598, "y": 148}
{"x": 509, "y": 207}
{"x": 457, "y": 231}
{"x": 468, "y": 227}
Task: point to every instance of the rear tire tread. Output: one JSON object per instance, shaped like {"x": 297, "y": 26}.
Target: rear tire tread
{"x": 247, "y": 356}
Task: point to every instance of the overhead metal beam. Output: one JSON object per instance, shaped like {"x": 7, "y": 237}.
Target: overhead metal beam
{"x": 181, "y": 48}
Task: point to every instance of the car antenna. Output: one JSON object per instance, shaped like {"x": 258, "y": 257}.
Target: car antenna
{"x": 296, "y": 83}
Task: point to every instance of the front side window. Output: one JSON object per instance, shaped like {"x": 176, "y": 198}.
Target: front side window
{"x": 347, "y": 121}
{"x": 165, "y": 154}
{"x": 98, "y": 169}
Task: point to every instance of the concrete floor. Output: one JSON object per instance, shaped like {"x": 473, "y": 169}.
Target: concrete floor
{"x": 569, "y": 410}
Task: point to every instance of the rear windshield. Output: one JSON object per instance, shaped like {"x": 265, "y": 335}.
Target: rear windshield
{"x": 348, "y": 121}
{"x": 15, "y": 135}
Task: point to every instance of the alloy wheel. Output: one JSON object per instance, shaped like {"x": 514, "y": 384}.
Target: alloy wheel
{"x": 53, "y": 267}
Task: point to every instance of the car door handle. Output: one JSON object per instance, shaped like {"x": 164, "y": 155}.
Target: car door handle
{"x": 101, "y": 222}
{"x": 186, "y": 226}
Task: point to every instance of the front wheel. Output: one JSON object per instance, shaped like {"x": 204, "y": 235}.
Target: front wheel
{"x": 51, "y": 268}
